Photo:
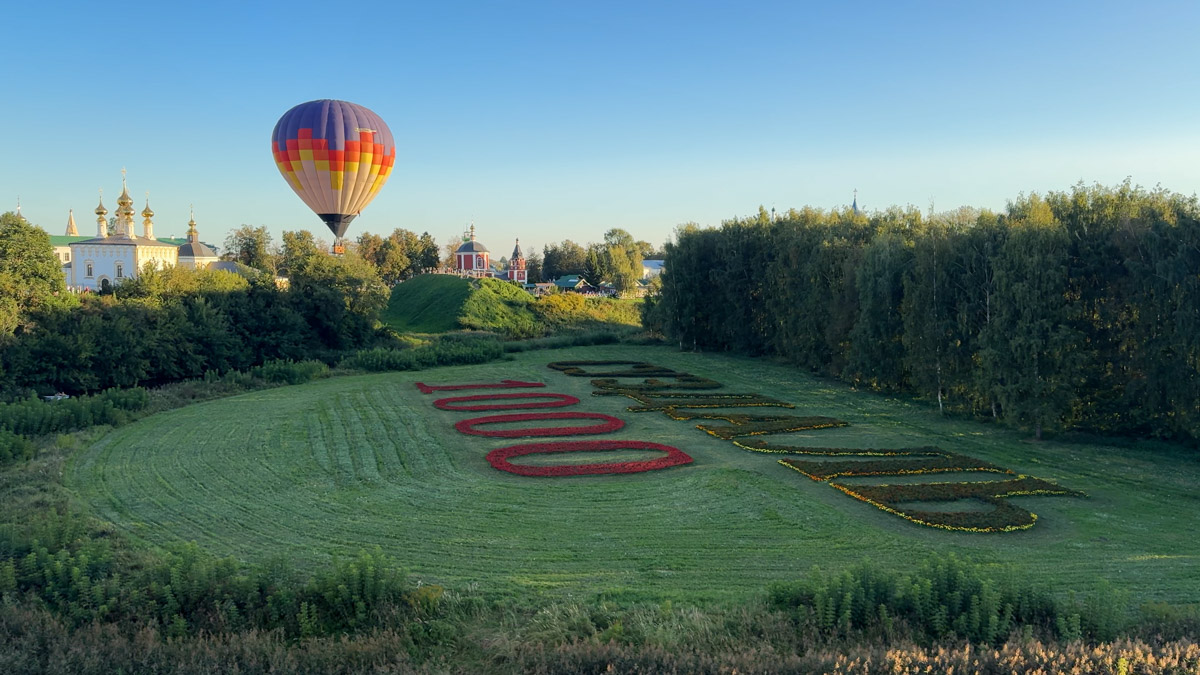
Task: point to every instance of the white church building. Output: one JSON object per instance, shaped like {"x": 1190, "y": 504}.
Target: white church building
{"x": 105, "y": 260}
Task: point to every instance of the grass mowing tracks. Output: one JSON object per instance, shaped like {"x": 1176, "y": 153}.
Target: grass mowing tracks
{"x": 332, "y": 466}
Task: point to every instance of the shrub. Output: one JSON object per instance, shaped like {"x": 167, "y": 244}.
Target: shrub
{"x": 290, "y": 372}
{"x": 33, "y": 417}
{"x": 14, "y": 448}
{"x": 944, "y": 598}
{"x": 448, "y": 351}
{"x": 585, "y": 339}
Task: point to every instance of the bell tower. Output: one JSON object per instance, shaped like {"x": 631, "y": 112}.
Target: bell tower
{"x": 516, "y": 266}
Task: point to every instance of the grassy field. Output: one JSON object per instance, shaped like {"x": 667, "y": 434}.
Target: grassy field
{"x": 427, "y": 303}
{"x": 330, "y": 467}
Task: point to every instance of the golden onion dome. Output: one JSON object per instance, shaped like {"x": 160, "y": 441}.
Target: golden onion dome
{"x": 146, "y": 212}
{"x": 100, "y": 210}
{"x": 124, "y": 199}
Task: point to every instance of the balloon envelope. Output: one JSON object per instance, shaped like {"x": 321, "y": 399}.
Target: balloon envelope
{"x": 335, "y": 155}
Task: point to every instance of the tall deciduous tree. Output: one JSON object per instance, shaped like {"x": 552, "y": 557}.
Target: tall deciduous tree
{"x": 31, "y": 276}
{"x": 340, "y": 297}
{"x": 299, "y": 250}
{"x": 562, "y": 259}
{"x": 876, "y": 353}
{"x": 928, "y": 311}
{"x": 533, "y": 266}
{"x": 1030, "y": 346}
{"x": 252, "y": 246}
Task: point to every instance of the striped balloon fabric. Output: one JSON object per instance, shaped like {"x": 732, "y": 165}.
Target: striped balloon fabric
{"x": 335, "y": 155}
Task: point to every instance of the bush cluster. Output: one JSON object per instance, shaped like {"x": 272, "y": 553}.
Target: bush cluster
{"x": 281, "y": 371}
{"x": 34, "y": 417}
{"x": 14, "y": 447}
{"x": 944, "y": 599}
{"x": 447, "y": 351}
{"x": 186, "y": 592}
{"x": 131, "y": 340}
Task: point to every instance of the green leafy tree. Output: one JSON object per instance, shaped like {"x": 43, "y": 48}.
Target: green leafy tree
{"x": 533, "y": 266}
{"x": 299, "y": 251}
{"x": 31, "y": 276}
{"x": 1030, "y": 347}
{"x": 340, "y": 297}
{"x": 623, "y": 259}
{"x": 251, "y": 246}
{"x": 928, "y": 314}
{"x": 876, "y": 354}
{"x": 401, "y": 255}
{"x": 154, "y": 284}
{"x": 393, "y": 262}
{"x": 369, "y": 245}
{"x": 426, "y": 259}
{"x": 563, "y": 259}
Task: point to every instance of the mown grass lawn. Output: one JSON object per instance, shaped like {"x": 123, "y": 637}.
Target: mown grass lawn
{"x": 330, "y": 467}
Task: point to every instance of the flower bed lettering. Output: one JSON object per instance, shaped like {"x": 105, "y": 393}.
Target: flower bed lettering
{"x": 635, "y": 369}
{"x": 910, "y": 465}
{"x": 560, "y": 400}
{"x": 608, "y": 425}
{"x": 502, "y": 384}
{"x": 499, "y": 458}
{"x": 655, "y": 393}
{"x": 766, "y": 447}
{"x": 1005, "y": 517}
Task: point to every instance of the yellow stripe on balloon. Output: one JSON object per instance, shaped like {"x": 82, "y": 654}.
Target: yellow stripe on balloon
{"x": 306, "y": 155}
{"x": 335, "y": 180}
{"x": 322, "y": 165}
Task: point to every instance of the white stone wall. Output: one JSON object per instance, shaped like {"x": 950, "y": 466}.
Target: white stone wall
{"x": 200, "y": 262}
{"x": 114, "y": 262}
{"x": 102, "y": 261}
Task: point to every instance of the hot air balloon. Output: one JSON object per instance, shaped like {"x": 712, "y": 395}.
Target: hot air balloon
{"x": 335, "y": 155}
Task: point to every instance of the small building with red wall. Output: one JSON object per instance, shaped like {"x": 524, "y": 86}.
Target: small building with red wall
{"x": 516, "y": 266}
{"x": 472, "y": 258}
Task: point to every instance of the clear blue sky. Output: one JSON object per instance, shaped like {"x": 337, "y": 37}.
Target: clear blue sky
{"x": 556, "y": 120}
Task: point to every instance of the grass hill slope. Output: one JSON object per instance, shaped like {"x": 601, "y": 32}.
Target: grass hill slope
{"x": 437, "y": 303}
{"x": 429, "y": 303}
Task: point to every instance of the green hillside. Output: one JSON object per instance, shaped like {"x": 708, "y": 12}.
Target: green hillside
{"x": 429, "y": 303}
{"x": 437, "y": 303}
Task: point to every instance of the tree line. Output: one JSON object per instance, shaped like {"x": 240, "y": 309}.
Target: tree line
{"x": 176, "y": 323}
{"x": 396, "y": 257}
{"x": 403, "y": 254}
{"x": 1076, "y": 310}
{"x": 616, "y": 260}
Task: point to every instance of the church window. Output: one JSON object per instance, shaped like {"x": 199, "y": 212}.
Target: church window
{"x": 120, "y": 271}
{"x": 89, "y": 269}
